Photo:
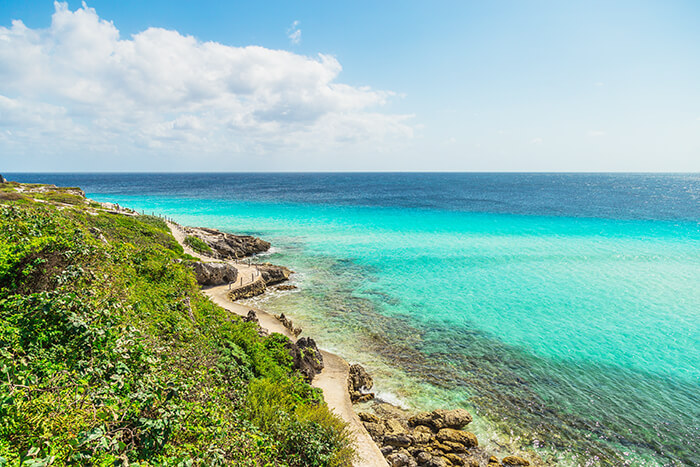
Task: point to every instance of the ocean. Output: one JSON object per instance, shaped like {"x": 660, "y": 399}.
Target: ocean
{"x": 563, "y": 310}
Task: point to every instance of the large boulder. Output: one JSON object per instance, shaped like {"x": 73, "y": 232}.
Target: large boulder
{"x": 306, "y": 357}
{"x": 441, "y": 418}
{"x": 214, "y": 273}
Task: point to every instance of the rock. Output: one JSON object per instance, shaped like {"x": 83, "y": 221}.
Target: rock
{"x": 454, "y": 447}
{"x": 307, "y": 359}
{"x": 422, "y": 457}
{"x": 359, "y": 383}
{"x": 394, "y": 426}
{"x": 228, "y": 246}
{"x": 386, "y": 450}
{"x": 2, "y": 179}
{"x": 514, "y": 460}
{"x": 436, "y": 461}
{"x": 464, "y": 438}
{"x": 375, "y": 430}
{"x": 252, "y": 317}
{"x": 400, "y": 440}
{"x": 272, "y": 274}
{"x": 454, "y": 459}
{"x": 493, "y": 461}
{"x": 286, "y": 287}
{"x": 398, "y": 459}
{"x": 421, "y": 436}
{"x": 214, "y": 273}
{"x": 438, "y": 419}
{"x": 369, "y": 417}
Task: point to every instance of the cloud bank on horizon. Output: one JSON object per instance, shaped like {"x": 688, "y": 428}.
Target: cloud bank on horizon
{"x": 77, "y": 86}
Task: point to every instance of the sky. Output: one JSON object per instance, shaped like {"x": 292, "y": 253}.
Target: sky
{"x": 183, "y": 85}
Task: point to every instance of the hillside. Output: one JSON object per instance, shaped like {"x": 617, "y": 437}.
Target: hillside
{"x": 110, "y": 354}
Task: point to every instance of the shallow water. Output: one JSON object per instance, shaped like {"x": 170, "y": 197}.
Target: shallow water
{"x": 563, "y": 309}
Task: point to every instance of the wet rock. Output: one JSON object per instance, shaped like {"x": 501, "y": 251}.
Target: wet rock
{"x": 369, "y": 417}
{"x": 213, "y": 273}
{"x": 514, "y": 460}
{"x": 400, "y": 440}
{"x": 286, "y": 287}
{"x": 359, "y": 383}
{"x": 464, "y": 438}
{"x": 306, "y": 356}
{"x": 438, "y": 419}
{"x": 493, "y": 461}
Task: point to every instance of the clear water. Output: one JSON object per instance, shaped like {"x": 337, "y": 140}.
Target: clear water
{"x": 563, "y": 309}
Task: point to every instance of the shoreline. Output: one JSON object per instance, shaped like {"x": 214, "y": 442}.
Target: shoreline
{"x": 333, "y": 377}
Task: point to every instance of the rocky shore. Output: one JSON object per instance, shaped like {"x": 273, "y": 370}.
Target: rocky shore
{"x": 424, "y": 439}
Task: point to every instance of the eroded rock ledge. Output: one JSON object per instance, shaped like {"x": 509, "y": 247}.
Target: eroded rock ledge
{"x": 228, "y": 246}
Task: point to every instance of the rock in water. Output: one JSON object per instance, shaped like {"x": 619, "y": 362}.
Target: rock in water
{"x": 2, "y": 179}
{"x": 359, "y": 383}
{"x": 272, "y": 274}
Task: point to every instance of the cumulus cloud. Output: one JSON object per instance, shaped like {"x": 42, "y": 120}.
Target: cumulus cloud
{"x": 79, "y": 84}
{"x": 294, "y": 33}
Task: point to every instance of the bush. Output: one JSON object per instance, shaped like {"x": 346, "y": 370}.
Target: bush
{"x": 110, "y": 354}
{"x": 198, "y": 245}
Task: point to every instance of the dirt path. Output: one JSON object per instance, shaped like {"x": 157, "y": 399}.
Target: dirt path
{"x": 333, "y": 379}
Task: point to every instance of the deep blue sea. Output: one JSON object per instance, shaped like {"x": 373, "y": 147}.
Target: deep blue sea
{"x": 562, "y": 309}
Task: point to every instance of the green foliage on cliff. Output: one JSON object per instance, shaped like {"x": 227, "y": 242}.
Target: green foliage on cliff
{"x": 198, "y": 245}
{"x": 110, "y": 355}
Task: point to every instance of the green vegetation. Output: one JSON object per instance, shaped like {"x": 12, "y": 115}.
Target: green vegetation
{"x": 198, "y": 245}
{"x": 110, "y": 355}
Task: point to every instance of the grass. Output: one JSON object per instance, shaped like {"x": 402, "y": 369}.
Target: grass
{"x": 198, "y": 245}
{"x": 110, "y": 355}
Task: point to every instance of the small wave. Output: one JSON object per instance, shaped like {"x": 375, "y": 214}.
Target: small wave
{"x": 391, "y": 398}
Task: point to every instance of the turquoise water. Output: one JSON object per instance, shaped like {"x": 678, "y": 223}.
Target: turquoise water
{"x": 575, "y": 337}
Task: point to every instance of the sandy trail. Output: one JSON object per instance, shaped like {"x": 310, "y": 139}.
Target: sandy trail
{"x": 333, "y": 378}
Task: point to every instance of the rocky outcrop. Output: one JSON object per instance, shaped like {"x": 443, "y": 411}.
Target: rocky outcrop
{"x": 306, "y": 356}
{"x": 247, "y": 291}
{"x": 214, "y": 273}
{"x": 2, "y": 179}
{"x": 226, "y": 245}
{"x": 287, "y": 323}
{"x": 434, "y": 439}
{"x": 438, "y": 419}
{"x": 359, "y": 384}
{"x": 273, "y": 274}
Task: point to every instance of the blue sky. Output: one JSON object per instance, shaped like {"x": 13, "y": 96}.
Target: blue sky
{"x": 500, "y": 85}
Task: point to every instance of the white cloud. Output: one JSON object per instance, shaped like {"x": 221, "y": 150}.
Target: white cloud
{"x": 80, "y": 85}
{"x": 536, "y": 141}
{"x": 294, "y": 33}
{"x": 594, "y": 133}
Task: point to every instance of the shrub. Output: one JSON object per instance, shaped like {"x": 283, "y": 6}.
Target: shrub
{"x": 198, "y": 245}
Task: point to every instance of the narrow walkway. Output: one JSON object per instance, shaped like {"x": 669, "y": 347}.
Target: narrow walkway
{"x": 246, "y": 274}
{"x": 333, "y": 379}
